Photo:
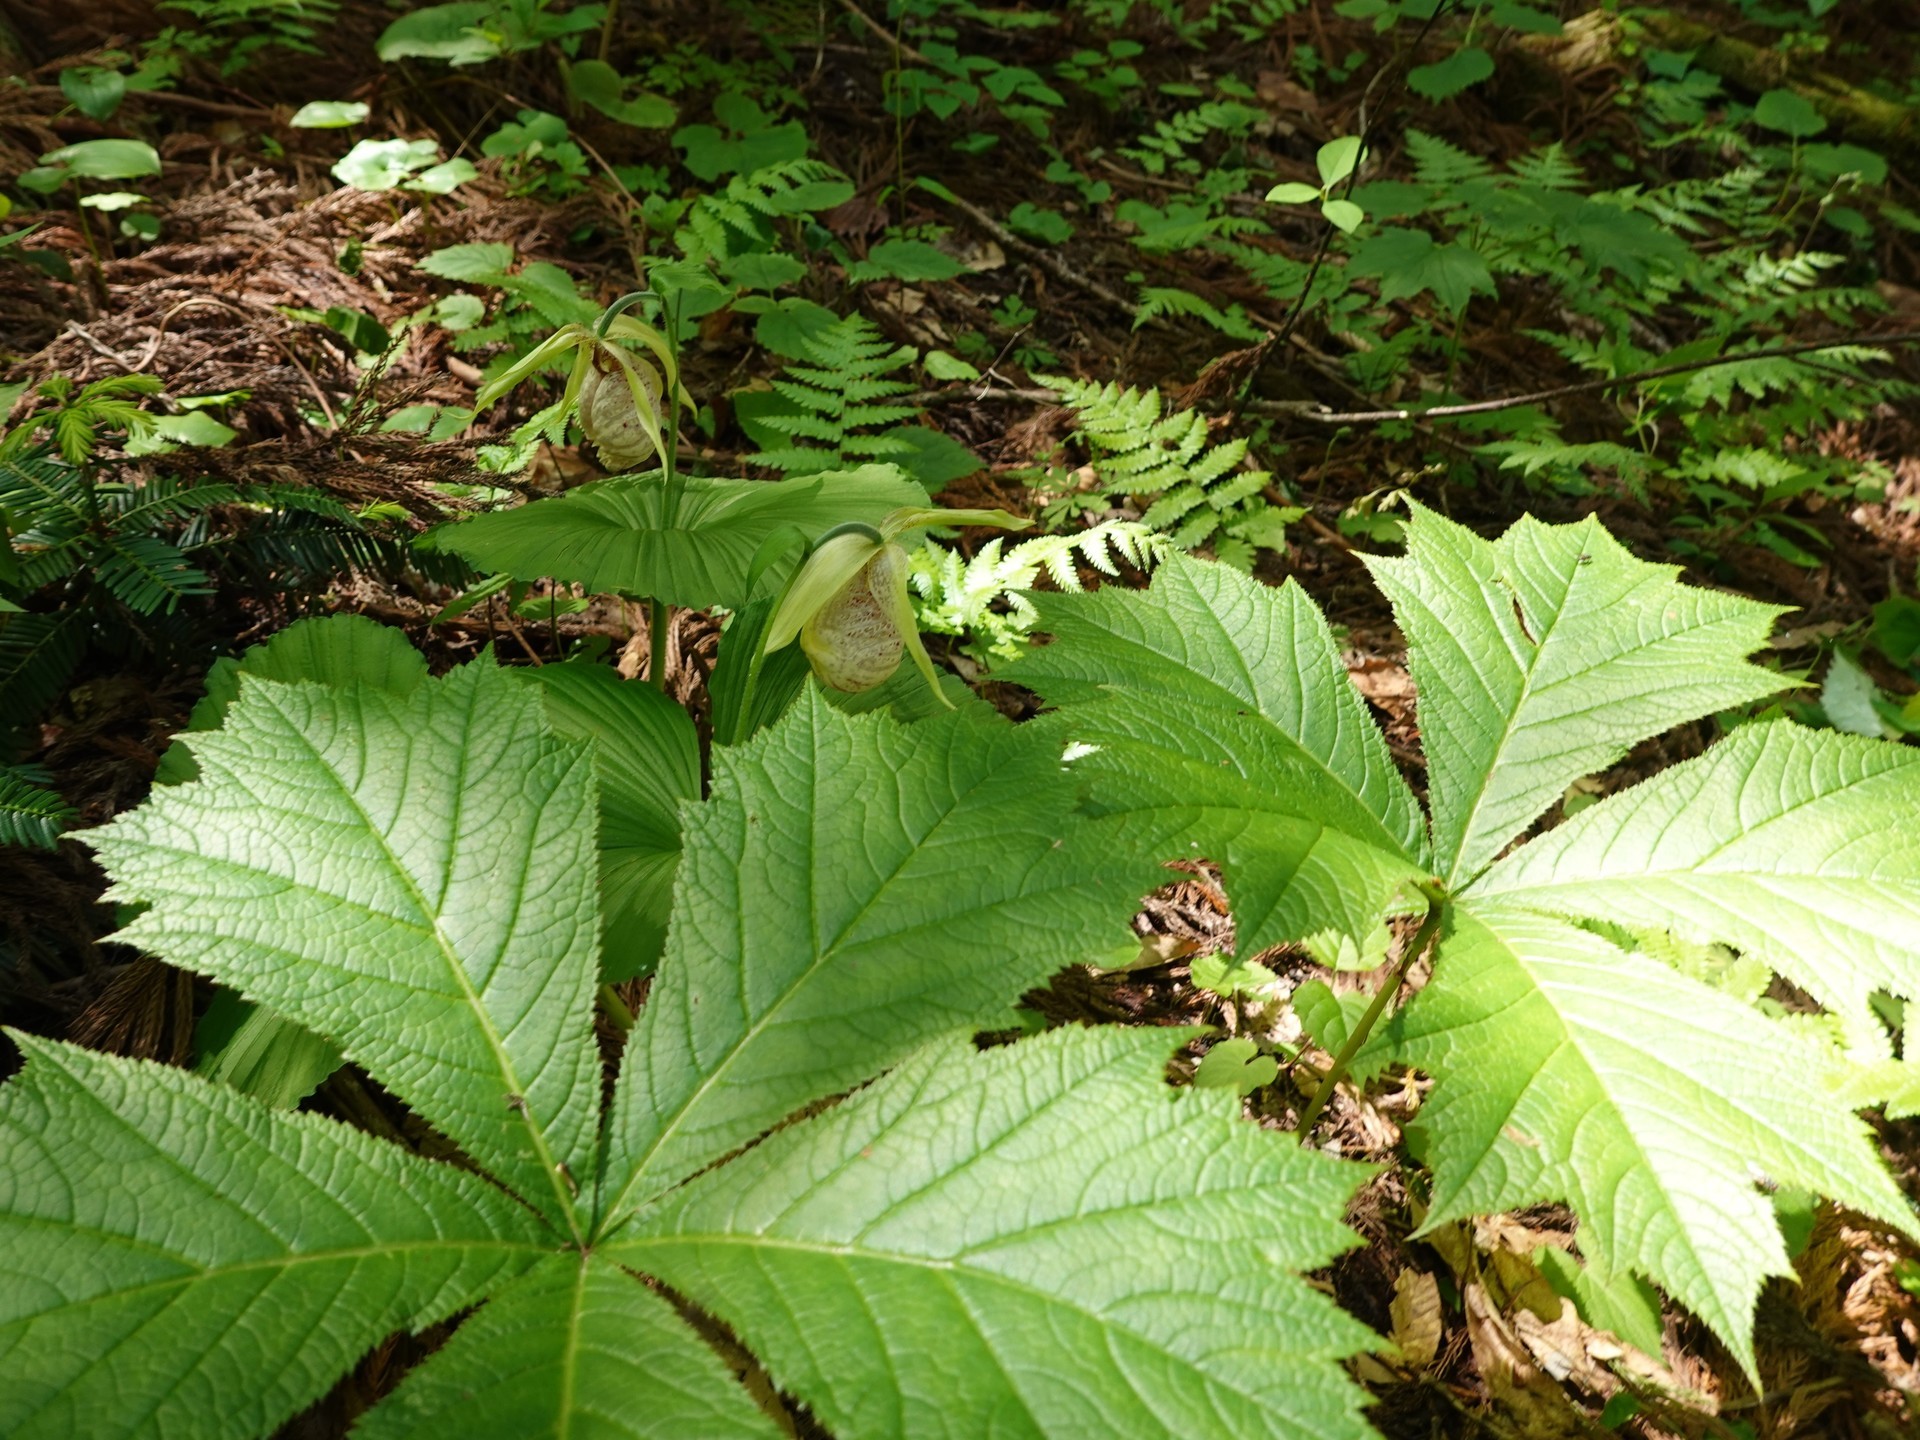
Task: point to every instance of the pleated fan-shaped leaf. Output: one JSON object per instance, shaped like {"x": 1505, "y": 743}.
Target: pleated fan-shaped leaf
{"x": 619, "y": 535}
{"x": 648, "y": 761}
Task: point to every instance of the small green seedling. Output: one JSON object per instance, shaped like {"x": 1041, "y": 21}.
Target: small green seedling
{"x": 1337, "y": 161}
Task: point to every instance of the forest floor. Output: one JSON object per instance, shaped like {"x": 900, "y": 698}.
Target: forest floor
{"x": 254, "y": 227}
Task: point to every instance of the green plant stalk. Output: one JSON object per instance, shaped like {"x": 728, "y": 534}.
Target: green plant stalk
{"x": 743, "y": 718}
{"x": 670, "y": 432}
{"x": 613, "y": 312}
{"x": 617, "y": 1011}
{"x": 606, "y": 29}
{"x": 657, "y": 626}
{"x": 1436, "y": 910}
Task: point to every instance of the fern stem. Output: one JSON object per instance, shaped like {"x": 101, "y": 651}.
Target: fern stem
{"x": 1436, "y": 910}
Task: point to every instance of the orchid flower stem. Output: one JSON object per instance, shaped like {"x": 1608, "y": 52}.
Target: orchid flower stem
{"x": 1336, "y": 1072}
{"x": 618, "y": 1013}
{"x": 744, "y": 719}
{"x": 670, "y": 451}
{"x": 615, "y": 310}
{"x": 658, "y": 625}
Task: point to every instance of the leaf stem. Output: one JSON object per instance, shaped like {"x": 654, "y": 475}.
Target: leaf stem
{"x": 1436, "y": 911}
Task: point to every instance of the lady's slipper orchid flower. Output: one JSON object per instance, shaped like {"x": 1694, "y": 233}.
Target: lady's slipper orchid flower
{"x": 615, "y": 394}
{"x": 848, "y": 602}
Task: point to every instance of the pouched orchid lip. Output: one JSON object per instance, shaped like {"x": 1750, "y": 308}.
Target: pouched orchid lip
{"x": 847, "y": 556}
{"x": 604, "y": 347}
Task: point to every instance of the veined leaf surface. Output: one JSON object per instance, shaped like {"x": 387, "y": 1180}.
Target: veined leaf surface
{"x": 1544, "y": 656}
{"x": 577, "y": 1348}
{"x": 973, "y": 1246}
{"x": 178, "y": 1259}
{"x": 412, "y": 876}
{"x": 1571, "y": 1070}
{"x": 1209, "y": 635}
{"x": 647, "y": 758}
{"x": 617, "y": 535}
{"x": 1212, "y": 717}
{"x": 1784, "y": 842}
{"x": 852, "y": 887}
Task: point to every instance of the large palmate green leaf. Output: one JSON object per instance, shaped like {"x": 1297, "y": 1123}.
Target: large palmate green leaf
{"x": 407, "y": 875}
{"x": 1302, "y": 857}
{"x": 1797, "y": 846}
{"x": 257, "y": 1050}
{"x": 1017, "y": 1241}
{"x": 617, "y": 535}
{"x": 1569, "y": 1069}
{"x": 176, "y": 1259}
{"x": 852, "y": 887}
{"x": 1209, "y": 635}
{"x": 576, "y": 1348}
{"x": 1038, "y": 1240}
{"x": 1545, "y": 656}
{"x": 648, "y": 760}
{"x": 1213, "y": 718}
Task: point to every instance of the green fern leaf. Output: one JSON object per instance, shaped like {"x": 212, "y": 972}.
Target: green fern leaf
{"x": 31, "y": 811}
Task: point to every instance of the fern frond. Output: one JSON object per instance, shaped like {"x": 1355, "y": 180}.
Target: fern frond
{"x": 160, "y": 500}
{"x": 149, "y": 576}
{"x": 1166, "y": 461}
{"x": 37, "y": 653}
{"x": 983, "y": 596}
{"x": 836, "y": 398}
{"x": 1435, "y": 162}
{"x": 36, "y": 487}
{"x": 1157, "y": 301}
{"x": 31, "y": 811}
